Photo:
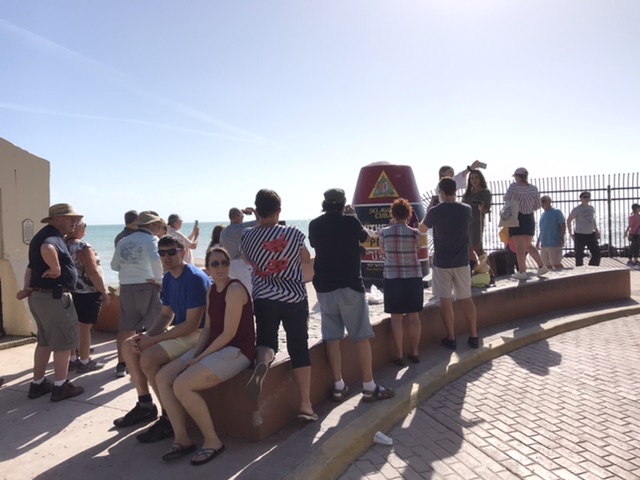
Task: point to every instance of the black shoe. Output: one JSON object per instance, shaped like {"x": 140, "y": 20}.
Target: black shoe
{"x": 474, "y": 342}
{"x": 121, "y": 369}
{"x": 158, "y": 431}
{"x": 36, "y": 391}
{"x": 66, "y": 390}
{"x": 137, "y": 415}
{"x": 450, "y": 344}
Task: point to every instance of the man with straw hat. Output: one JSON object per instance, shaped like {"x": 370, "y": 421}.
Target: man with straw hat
{"x": 48, "y": 281}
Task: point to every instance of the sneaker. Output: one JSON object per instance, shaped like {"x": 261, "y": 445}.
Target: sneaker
{"x": 121, "y": 369}
{"x": 339, "y": 395}
{"x": 73, "y": 365}
{"x": 38, "y": 390}
{"x": 158, "y": 431}
{"x": 139, "y": 414}
{"x": 450, "y": 344}
{"x": 474, "y": 342}
{"x": 254, "y": 386}
{"x": 519, "y": 276}
{"x": 90, "y": 366}
{"x": 380, "y": 393}
{"x": 542, "y": 271}
{"x": 66, "y": 390}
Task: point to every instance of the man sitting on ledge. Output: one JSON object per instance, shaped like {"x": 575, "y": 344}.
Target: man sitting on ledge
{"x": 184, "y": 296}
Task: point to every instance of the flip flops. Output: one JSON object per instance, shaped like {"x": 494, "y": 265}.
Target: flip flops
{"x": 308, "y": 417}
{"x": 177, "y": 451}
{"x": 206, "y": 455}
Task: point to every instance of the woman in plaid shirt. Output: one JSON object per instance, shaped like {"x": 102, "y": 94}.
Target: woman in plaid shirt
{"x": 403, "y": 289}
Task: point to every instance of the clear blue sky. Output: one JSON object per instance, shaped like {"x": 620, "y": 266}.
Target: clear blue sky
{"x": 193, "y": 106}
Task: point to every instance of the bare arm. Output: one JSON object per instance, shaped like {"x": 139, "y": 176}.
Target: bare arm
{"x": 88, "y": 258}
{"x": 26, "y": 291}
{"x": 305, "y": 255}
{"x": 50, "y": 256}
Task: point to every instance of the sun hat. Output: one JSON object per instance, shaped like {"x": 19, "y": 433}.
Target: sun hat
{"x": 145, "y": 218}
{"x": 521, "y": 171}
{"x": 61, "y": 210}
{"x": 335, "y": 195}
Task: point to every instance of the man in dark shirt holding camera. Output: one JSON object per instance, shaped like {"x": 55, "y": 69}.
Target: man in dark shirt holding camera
{"x": 49, "y": 279}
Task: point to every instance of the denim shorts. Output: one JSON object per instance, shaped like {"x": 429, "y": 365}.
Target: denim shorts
{"x": 344, "y": 308}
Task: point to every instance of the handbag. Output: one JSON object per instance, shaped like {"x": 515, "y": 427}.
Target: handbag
{"x": 509, "y": 214}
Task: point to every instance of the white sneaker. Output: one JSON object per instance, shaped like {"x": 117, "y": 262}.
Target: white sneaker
{"x": 542, "y": 270}
{"x": 519, "y": 276}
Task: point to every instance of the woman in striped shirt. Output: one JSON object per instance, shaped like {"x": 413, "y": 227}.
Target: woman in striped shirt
{"x": 528, "y": 198}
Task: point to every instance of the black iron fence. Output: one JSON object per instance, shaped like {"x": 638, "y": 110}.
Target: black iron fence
{"x": 611, "y": 196}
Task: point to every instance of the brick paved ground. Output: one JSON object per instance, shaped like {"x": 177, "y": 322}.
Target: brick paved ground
{"x": 536, "y": 413}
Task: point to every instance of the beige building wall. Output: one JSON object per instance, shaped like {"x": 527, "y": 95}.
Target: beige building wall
{"x": 24, "y": 201}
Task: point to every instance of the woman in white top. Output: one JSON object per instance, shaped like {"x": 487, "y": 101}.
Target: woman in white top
{"x": 528, "y": 198}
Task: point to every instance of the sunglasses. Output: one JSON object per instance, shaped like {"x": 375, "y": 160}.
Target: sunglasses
{"x": 171, "y": 252}
{"x": 216, "y": 264}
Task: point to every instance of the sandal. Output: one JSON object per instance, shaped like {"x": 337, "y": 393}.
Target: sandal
{"x": 254, "y": 386}
{"x": 339, "y": 395}
{"x": 380, "y": 393}
{"x": 177, "y": 451}
{"x": 308, "y": 417}
{"x": 206, "y": 454}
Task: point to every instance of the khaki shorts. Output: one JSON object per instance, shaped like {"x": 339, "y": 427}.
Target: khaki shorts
{"x": 226, "y": 363}
{"x": 176, "y": 347}
{"x": 452, "y": 282}
{"x": 56, "y": 319}
{"x": 551, "y": 255}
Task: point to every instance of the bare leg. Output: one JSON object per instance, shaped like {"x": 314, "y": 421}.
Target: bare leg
{"x": 265, "y": 355}
{"x": 470, "y": 313}
{"x": 84, "y": 332}
{"x": 533, "y": 251}
{"x": 151, "y": 361}
{"x": 446, "y": 311}
{"x": 61, "y": 364}
{"x": 132, "y": 358}
{"x": 120, "y": 338}
{"x": 302, "y": 377}
{"x": 415, "y": 332}
{"x": 521, "y": 251}
{"x": 397, "y": 333}
{"x": 334, "y": 355}
{"x": 364, "y": 356}
{"x": 176, "y": 412}
{"x": 186, "y": 388}
{"x": 41, "y": 357}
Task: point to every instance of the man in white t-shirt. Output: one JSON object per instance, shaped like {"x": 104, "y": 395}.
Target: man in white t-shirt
{"x": 586, "y": 233}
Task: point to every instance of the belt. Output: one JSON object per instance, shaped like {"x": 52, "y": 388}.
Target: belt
{"x": 48, "y": 290}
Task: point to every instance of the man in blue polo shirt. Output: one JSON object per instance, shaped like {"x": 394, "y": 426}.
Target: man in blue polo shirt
{"x": 176, "y": 330}
{"x": 552, "y": 231}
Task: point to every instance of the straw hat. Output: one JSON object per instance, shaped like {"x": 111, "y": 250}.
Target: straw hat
{"x": 145, "y": 218}
{"x": 60, "y": 210}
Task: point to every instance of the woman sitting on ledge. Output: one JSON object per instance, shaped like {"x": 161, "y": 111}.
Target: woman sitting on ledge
{"x": 226, "y": 347}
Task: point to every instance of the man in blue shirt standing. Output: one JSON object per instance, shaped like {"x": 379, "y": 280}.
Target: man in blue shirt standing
{"x": 552, "y": 230}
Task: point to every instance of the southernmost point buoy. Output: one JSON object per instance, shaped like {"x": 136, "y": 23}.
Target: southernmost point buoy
{"x": 379, "y": 185}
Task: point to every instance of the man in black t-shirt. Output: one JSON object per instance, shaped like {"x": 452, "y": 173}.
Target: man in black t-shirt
{"x": 338, "y": 282}
{"x": 49, "y": 279}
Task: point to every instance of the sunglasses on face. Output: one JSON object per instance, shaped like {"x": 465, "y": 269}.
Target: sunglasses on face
{"x": 171, "y": 252}
{"x": 216, "y": 264}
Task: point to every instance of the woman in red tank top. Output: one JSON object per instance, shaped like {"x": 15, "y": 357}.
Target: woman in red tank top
{"x": 226, "y": 347}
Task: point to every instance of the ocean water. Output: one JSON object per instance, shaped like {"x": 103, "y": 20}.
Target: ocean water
{"x": 100, "y": 237}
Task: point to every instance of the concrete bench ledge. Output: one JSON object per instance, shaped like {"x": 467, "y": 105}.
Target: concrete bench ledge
{"x": 234, "y": 414}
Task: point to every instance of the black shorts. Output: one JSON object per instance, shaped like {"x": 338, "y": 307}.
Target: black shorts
{"x": 403, "y": 295}
{"x": 88, "y": 306}
{"x": 527, "y": 225}
{"x": 295, "y": 320}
